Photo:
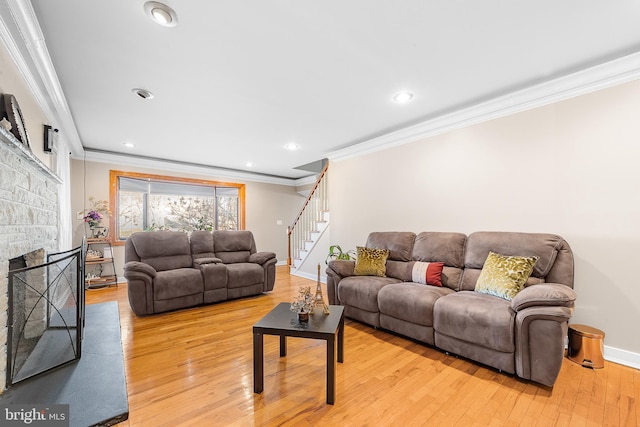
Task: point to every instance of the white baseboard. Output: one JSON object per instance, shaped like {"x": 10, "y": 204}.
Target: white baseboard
{"x": 281, "y": 263}
{"x": 314, "y": 277}
{"x": 623, "y": 357}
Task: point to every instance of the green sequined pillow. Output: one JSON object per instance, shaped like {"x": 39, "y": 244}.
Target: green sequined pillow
{"x": 504, "y": 276}
{"x": 371, "y": 262}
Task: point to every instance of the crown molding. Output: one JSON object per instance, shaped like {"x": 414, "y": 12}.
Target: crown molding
{"x": 185, "y": 167}
{"x": 21, "y": 34}
{"x": 599, "y": 77}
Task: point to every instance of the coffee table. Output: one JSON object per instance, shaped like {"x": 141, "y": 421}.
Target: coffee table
{"x": 281, "y": 321}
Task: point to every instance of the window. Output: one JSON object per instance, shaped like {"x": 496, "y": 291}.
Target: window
{"x": 153, "y": 202}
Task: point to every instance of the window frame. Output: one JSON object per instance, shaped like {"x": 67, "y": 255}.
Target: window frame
{"x": 114, "y": 175}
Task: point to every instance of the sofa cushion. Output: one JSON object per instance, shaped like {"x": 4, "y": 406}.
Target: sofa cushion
{"x": 362, "y": 292}
{"x": 163, "y": 250}
{"x": 399, "y": 243}
{"x": 427, "y": 273}
{"x": 202, "y": 244}
{"x": 244, "y": 274}
{"x": 233, "y": 246}
{"x": 543, "y": 246}
{"x": 400, "y": 270}
{"x": 440, "y": 247}
{"x": 411, "y": 302}
{"x": 476, "y": 318}
{"x": 371, "y": 262}
{"x": 504, "y": 276}
{"x": 177, "y": 283}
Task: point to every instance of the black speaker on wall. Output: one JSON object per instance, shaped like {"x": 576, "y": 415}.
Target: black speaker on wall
{"x": 50, "y": 135}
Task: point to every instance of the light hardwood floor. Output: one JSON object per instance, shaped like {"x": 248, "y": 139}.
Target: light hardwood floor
{"x": 194, "y": 368}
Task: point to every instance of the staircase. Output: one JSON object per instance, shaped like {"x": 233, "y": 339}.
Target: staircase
{"x": 310, "y": 224}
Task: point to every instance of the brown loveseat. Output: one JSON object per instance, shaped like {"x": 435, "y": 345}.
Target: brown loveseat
{"x": 168, "y": 270}
{"x": 524, "y": 336}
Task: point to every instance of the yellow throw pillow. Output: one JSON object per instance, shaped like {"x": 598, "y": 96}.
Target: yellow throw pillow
{"x": 371, "y": 262}
{"x": 504, "y": 276}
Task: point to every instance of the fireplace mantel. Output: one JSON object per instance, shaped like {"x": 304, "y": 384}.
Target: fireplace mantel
{"x": 22, "y": 151}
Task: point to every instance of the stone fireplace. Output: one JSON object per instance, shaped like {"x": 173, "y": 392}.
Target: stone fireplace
{"x": 29, "y": 221}
{"x": 29, "y": 210}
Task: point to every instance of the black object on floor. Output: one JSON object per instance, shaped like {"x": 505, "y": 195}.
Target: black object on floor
{"x": 94, "y": 387}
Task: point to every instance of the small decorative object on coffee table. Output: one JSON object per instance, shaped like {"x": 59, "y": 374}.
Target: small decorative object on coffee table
{"x": 303, "y": 303}
{"x": 319, "y": 298}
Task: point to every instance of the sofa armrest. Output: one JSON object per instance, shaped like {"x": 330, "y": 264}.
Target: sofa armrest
{"x": 203, "y": 261}
{"x": 140, "y": 267}
{"x": 540, "y": 335}
{"x": 544, "y": 294}
{"x": 342, "y": 268}
{"x": 337, "y": 270}
{"x": 261, "y": 257}
{"x": 140, "y": 287}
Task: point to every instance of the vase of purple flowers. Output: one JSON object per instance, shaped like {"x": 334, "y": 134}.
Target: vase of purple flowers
{"x": 93, "y": 218}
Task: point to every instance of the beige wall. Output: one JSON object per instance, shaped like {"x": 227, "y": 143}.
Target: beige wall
{"x": 265, "y": 204}
{"x": 570, "y": 168}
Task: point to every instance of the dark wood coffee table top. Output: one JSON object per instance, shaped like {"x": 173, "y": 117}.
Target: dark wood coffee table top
{"x": 281, "y": 319}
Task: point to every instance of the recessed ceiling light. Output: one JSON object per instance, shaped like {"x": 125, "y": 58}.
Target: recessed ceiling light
{"x": 142, "y": 93}
{"x": 292, "y": 146}
{"x": 249, "y": 164}
{"x": 128, "y": 144}
{"x": 161, "y": 13}
{"x": 402, "y": 97}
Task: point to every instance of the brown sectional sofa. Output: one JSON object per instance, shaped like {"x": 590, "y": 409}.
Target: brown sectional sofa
{"x": 168, "y": 270}
{"x": 524, "y": 336}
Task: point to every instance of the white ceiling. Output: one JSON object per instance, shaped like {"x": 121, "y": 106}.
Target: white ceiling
{"x": 235, "y": 81}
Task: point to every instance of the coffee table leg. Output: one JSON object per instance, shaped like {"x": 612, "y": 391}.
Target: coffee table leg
{"x": 331, "y": 370}
{"x": 341, "y": 341}
{"x": 283, "y": 345}
{"x": 258, "y": 362}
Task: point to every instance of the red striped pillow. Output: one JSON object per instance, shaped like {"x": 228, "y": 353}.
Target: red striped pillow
{"x": 427, "y": 273}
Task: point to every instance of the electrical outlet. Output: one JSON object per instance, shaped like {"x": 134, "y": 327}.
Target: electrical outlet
{"x": 279, "y": 222}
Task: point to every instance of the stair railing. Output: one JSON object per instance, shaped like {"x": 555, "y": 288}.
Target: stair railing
{"x": 299, "y": 232}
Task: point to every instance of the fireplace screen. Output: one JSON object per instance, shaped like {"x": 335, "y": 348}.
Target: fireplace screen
{"x": 46, "y": 312}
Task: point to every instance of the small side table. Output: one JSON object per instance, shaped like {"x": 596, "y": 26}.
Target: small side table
{"x": 281, "y": 321}
{"x": 586, "y": 346}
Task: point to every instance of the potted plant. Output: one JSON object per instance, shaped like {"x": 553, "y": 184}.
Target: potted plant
{"x": 336, "y": 252}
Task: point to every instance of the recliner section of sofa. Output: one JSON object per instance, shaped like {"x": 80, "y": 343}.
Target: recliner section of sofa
{"x": 169, "y": 270}
{"x": 524, "y": 336}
